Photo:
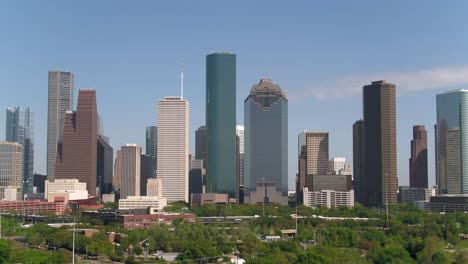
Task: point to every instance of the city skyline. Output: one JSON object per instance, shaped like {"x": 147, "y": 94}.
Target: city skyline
{"x": 405, "y": 67}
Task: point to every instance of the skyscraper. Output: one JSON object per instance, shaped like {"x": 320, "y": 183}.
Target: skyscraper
{"x": 240, "y": 156}
{"x": 130, "y": 170}
{"x": 418, "y": 159}
{"x": 60, "y": 100}
{"x": 336, "y": 165}
{"x": 266, "y": 136}
{"x": 20, "y": 129}
{"x": 173, "y": 147}
{"x": 152, "y": 145}
{"x": 105, "y": 154}
{"x": 146, "y": 172}
{"x": 315, "y": 147}
{"x": 380, "y": 149}
{"x": 200, "y": 145}
{"x": 358, "y": 162}
{"x": 221, "y": 123}
{"x": 117, "y": 179}
{"x": 77, "y": 151}
{"x": 452, "y": 142}
{"x": 11, "y": 168}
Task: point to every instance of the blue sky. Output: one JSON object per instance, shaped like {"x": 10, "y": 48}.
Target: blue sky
{"x": 320, "y": 53}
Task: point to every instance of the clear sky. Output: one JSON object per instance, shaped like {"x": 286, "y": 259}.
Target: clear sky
{"x": 320, "y": 52}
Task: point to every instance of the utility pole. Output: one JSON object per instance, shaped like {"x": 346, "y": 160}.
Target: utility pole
{"x": 264, "y": 195}
{"x": 386, "y": 199}
{"x": 73, "y": 254}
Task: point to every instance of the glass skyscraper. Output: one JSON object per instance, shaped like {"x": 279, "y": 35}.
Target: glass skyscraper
{"x": 452, "y": 142}
{"x": 266, "y": 136}
{"x": 221, "y": 123}
{"x": 20, "y": 129}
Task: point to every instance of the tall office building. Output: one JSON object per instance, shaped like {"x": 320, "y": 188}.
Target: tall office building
{"x": 336, "y": 164}
{"x": 77, "y": 151}
{"x": 380, "y": 149}
{"x": 146, "y": 172}
{"x": 452, "y": 142}
{"x": 173, "y": 147}
{"x": 418, "y": 159}
{"x": 240, "y": 156}
{"x": 315, "y": 146}
{"x": 11, "y": 169}
{"x": 358, "y": 162}
{"x": 266, "y": 136}
{"x": 221, "y": 123}
{"x": 117, "y": 179}
{"x": 60, "y": 100}
{"x": 151, "y": 141}
{"x": 105, "y": 157}
{"x": 130, "y": 170}
{"x": 200, "y": 145}
{"x": 20, "y": 129}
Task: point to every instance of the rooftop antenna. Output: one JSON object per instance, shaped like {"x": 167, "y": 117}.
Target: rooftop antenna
{"x": 182, "y": 79}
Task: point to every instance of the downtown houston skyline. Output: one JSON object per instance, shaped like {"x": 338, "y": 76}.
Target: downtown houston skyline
{"x": 131, "y": 56}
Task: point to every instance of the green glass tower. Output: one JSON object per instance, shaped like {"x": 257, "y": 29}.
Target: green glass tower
{"x": 221, "y": 123}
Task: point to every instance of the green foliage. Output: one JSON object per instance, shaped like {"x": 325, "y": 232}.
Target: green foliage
{"x": 5, "y": 250}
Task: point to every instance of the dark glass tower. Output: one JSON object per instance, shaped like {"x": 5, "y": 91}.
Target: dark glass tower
{"x": 380, "y": 149}
{"x": 221, "y": 123}
{"x": 266, "y": 136}
{"x": 200, "y": 145}
{"x": 20, "y": 129}
{"x": 452, "y": 142}
{"x": 358, "y": 162}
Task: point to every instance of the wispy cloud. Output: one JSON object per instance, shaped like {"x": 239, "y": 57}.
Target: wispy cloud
{"x": 407, "y": 82}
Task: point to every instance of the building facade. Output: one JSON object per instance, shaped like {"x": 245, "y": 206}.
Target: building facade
{"x": 418, "y": 159}
{"x": 77, "y": 152}
{"x": 358, "y": 162}
{"x": 315, "y": 147}
{"x": 152, "y": 145}
{"x": 130, "y": 170}
{"x": 408, "y": 194}
{"x": 146, "y": 172}
{"x": 452, "y": 142}
{"x": 154, "y": 187}
{"x": 11, "y": 169}
{"x": 60, "y": 100}
{"x": 135, "y": 202}
{"x": 266, "y": 192}
{"x": 116, "y": 180}
{"x": 240, "y": 156}
{"x": 328, "y": 198}
{"x": 173, "y": 147}
{"x": 20, "y": 129}
{"x": 221, "y": 123}
{"x": 336, "y": 165}
{"x": 63, "y": 185}
{"x": 266, "y": 136}
{"x": 342, "y": 183}
{"x": 105, "y": 158}
{"x": 200, "y": 145}
{"x": 380, "y": 148}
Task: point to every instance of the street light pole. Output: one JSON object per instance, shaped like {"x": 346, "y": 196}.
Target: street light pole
{"x": 386, "y": 199}
{"x": 264, "y": 194}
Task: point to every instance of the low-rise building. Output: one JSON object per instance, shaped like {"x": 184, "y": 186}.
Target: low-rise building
{"x": 134, "y": 202}
{"x": 147, "y": 220}
{"x": 32, "y": 207}
{"x": 64, "y": 185}
{"x": 199, "y": 199}
{"x": 408, "y": 194}
{"x": 449, "y": 203}
{"x": 328, "y": 198}
{"x": 266, "y": 191}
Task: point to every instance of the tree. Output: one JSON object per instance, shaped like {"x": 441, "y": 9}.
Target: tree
{"x": 5, "y": 250}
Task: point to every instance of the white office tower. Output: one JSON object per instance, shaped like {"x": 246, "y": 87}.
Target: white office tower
{"x": 173, "y": 147}
{"x": 154, "y": 187}
{"x": 60, "y": 100}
